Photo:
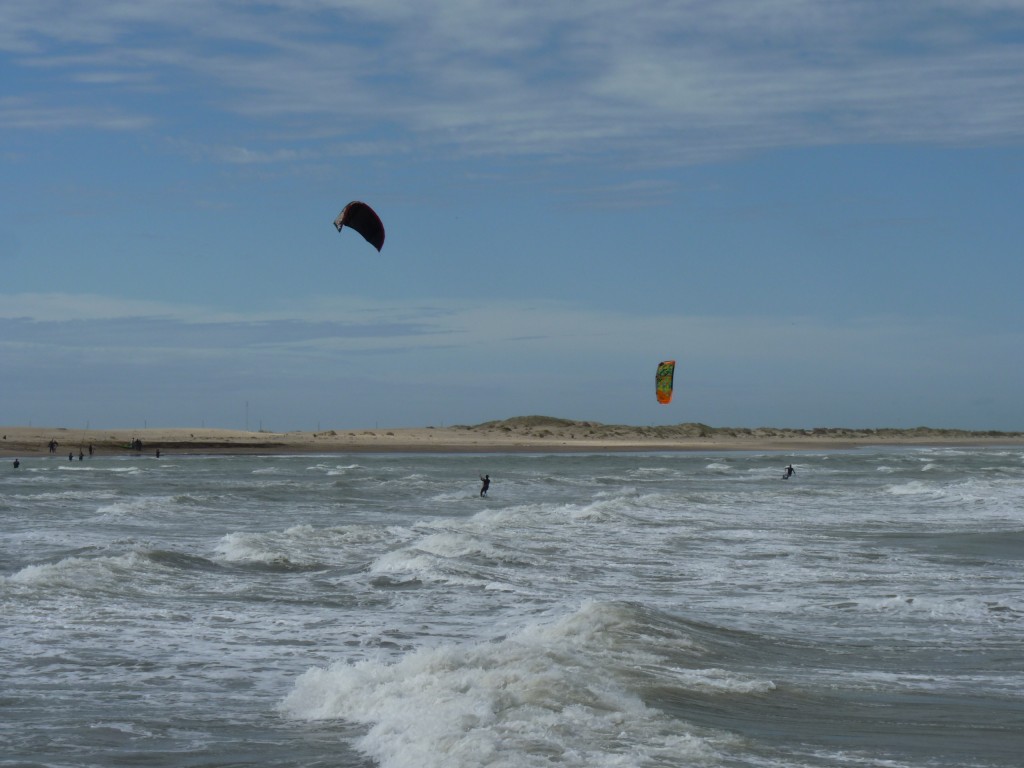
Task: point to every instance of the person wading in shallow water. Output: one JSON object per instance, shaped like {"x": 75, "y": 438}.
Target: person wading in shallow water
{"x": 486, "y": 480}
{"x": 788, "y": 473}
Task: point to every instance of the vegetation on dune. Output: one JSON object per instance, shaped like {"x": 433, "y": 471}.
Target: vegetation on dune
{"x": 543, "y": 426}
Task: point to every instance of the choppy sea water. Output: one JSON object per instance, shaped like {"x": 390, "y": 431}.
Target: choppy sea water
{"x": 680, "y": 609}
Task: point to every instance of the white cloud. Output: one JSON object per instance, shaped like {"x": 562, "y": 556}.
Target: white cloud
{"x": 25, "y": 115}
{"x": 685, "y": 80}
{"x": 535, "y": 331}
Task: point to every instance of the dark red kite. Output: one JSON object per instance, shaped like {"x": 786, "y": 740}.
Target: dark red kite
{"x": 362, "y": 218}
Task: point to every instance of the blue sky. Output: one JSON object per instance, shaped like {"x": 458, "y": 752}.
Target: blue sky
{"x": 814, "y": 207}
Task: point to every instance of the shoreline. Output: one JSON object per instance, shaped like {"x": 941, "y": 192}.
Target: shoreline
{"x": 518, "y": 435}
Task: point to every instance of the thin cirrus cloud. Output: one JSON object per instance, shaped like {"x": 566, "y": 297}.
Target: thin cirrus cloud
{"x": 683, "y": 80}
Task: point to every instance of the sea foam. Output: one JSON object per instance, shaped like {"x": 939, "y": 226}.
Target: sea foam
{"x": 537, "y": 697}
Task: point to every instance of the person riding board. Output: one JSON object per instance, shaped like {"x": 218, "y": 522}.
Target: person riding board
{"x": 486, "y": 480}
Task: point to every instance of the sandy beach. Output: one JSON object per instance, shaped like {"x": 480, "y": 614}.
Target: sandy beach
{"x": 520, "y": 434}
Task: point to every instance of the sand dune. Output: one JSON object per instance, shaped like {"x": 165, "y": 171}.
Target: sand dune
{"x": 524, "y": 433}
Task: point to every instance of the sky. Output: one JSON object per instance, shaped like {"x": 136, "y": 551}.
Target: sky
{"x": 814, "y": 207}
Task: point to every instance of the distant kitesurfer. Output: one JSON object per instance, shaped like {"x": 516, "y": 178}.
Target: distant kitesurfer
{"x": 486, "y": 480}
{"x": 17, "y": 463}
{"x": 788, "y": 473}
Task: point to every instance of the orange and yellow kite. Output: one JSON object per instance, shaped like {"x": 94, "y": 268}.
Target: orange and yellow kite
{"x": 663, "y": 381}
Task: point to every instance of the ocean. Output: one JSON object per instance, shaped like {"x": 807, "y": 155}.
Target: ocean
{"x": 595, "y": 610}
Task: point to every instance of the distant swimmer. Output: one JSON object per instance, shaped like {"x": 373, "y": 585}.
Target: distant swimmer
{"x": 788, "y": 473}
{"x": 486, "y": 480}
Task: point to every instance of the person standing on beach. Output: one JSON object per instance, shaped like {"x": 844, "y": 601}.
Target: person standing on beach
{"x": 486, "y": 480}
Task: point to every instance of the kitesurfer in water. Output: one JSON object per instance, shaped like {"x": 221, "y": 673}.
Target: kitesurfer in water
{"x": 486, "y": 480}
{"x": 789, "y": 472}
